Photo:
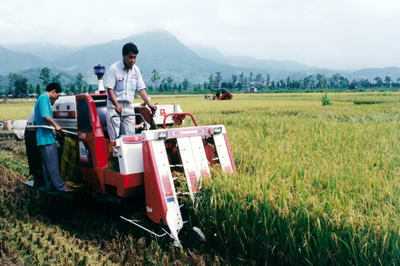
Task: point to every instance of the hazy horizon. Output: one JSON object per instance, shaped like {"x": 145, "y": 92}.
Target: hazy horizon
{"x": 339, "y": 34}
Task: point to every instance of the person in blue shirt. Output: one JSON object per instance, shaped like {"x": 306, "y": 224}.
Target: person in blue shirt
{"x": 32, "y": 151}
{"x": 46, "y": 140}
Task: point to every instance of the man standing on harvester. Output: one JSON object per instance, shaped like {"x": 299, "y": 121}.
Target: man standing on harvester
{"x": 123, "y": 79}
{"x": 46, "y": 140}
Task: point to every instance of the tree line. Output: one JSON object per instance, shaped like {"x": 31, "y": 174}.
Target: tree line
{"x": 18, "y": 84}
{"x": 264, "y": 83}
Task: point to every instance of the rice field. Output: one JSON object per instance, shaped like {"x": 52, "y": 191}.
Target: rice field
{"x": 315, "y": 185}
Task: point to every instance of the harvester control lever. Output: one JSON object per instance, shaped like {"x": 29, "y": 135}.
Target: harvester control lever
{"x": 121, "y": 116}
{"x": 153, "y": 110}
{"x": 181, "y": 115}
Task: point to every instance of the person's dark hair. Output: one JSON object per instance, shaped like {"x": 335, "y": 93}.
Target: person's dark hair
{"x": 53, "y": 86}
{"x": 129, "y": 47}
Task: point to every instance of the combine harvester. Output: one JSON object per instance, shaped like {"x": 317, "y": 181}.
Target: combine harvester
{"x": 147, "y": 160}
{"x": 222, "y": 94}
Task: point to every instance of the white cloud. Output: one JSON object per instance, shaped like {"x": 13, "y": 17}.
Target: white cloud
{"x": 331, "y": 34}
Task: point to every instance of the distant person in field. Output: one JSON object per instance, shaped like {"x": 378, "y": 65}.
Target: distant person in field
{"x": 46, "y": 140}
{"x": 123, "y": 79}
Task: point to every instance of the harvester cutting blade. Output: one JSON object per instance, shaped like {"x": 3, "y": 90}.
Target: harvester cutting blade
{"x": 194, "y": 161}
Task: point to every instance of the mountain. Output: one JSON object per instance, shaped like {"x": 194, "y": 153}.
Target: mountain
{"x": 11, "y": 61}
{"x": 249, "y": 62}
{"x": 158, "y": 50}
{"x": 162, "y": 51}
{"x": 45, "y": 51}
{"x": 371, "y": 73}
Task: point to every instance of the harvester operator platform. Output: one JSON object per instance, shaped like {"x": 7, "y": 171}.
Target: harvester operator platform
{"x": 123, "y": 79}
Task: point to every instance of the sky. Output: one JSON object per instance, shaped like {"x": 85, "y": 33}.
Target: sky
{"x": 336, "y": 34}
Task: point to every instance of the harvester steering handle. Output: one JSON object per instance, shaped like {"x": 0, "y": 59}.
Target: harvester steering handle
{"x": 51, "y": 127}
{"x": 124, "y": 115}
{"x": 170, "y": 114}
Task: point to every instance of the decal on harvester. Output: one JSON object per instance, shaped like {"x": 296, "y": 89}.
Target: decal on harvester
{"x": 203, "y": 172}
{"x": 83, "y": 152}
{"x": 170, "y": 199}
{"x": 162, "y": 112}
{"x": 167, "y": 186}
{"x": 193, "y": 179}
{"x": 64, "y": 114}
{"x": 85, "y": 155}
{"x": 188, "y": 132}
{"x": 228, "y": 169}
{"x": 132, "y": 139}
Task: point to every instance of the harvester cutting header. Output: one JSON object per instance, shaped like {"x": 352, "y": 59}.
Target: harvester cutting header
{"x": 153, "y": 159}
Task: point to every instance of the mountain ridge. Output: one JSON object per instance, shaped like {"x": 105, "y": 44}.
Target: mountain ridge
{"x": 162, "y": 51}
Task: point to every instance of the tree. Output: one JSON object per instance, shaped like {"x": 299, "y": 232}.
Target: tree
{"x": 21, "y": 86}
{"x": 364, "y": 83}
{"x": 224, "y": 85}
{"x": 320, "y": 80}
{"x": 336, "y": 80}
{"x": 185, "y": 84}
{"x": 258, "y": 80}
{"x": 38, "y": 90}
{"x": 155, "y": 76}
{"x": 388, "y": 80}
{"x": 234, "y": 80}
{"x": 91, "y": 90}
{"x": 251, "y": 77}
{"x": 288, "y": 82}
{"x": 161, "y": 88}
{"x": 218, "y": 79}
{"x": 79, "y": 82}
{"x": 309, "y": 82}
{"x": 45, "y": 76}
{"x": 211, "y": 81}
{"x": 31, "y": 90}
{"x": 175, "y": 88}
{"x": 12, "y": 77}
{"x": 169, "y": 82}
{"x": 282, "y": 84}
{"x": 71, "y": 87}
{"x": 241, "y": 77}
{"x": 57, "y": 79}
{"x": 197, "y": 88}
{"x": 378, "y": 81}
{"x": 268, "y": 78}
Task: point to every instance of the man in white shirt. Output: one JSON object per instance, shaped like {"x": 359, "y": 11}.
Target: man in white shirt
{"x": 123, "y": 79}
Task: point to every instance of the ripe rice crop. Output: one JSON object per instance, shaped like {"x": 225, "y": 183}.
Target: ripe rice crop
{"x": 315, "y": 185}
{"x": 16, "y": 109}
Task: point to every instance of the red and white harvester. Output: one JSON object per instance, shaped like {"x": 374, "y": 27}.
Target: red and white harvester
{"x": 147, "y": 160}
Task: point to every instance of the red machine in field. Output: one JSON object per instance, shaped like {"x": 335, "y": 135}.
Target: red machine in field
{"x": 146, "y": 160}
{"x": 222, "y": 94}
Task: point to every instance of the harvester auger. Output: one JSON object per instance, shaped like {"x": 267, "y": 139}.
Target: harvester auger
{"x": 146, "y": 161}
